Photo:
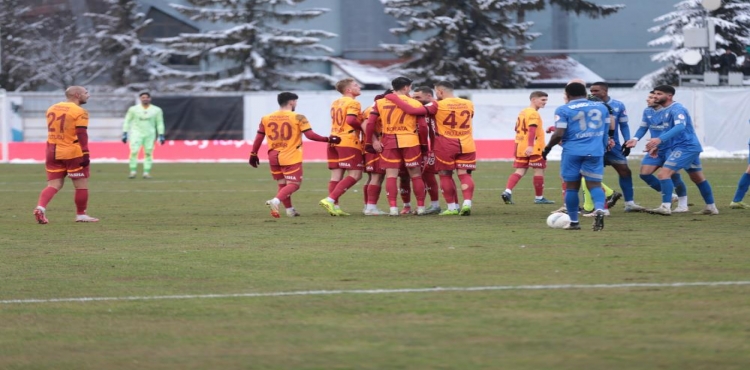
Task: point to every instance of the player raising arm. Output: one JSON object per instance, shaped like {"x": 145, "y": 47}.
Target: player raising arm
{"x": 284, "y": 129}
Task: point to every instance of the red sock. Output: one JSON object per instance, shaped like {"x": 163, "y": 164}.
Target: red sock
{"x": 287, "y": 191}
{"x": 539, "y": 185}
{"x": 419, "y": 191}
{"x": 564, "y": 187}
{"x": 82, "y": 200}
{"x": 364, "y": 190}
{"x": 46, "y": 196}
{"x": 513, "y": 181}
{"x": 342, "y": 187}
{"x": 331, "y": 187}
{"x": 430, "y": 182}
{"x": 467, "y": 186}
{"x": 404, "y": 188}
{"x": 373, "y": 194}
{"x": 391, "y": 191}
{"x": 288, "y": 201}
{"x": 449, "y": 188}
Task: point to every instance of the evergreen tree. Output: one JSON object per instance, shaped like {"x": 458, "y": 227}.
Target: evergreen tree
{"x": 473, "y": 43}
{"x": 116, "y": 30}
{"x": 256, "y": 53}
{"x": 14, "y": 33}
{"x": 732, "y": 30}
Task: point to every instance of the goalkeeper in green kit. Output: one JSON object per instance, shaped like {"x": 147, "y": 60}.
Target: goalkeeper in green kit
{"x": 145, "y": 123}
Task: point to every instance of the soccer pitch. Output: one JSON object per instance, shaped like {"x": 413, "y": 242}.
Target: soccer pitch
{"x": 189, "y": 271}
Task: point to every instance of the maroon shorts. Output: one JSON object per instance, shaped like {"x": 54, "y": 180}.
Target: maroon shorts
{"x": 448, "y": 156}
{"x": 535, "y": 161}
{"x": 428, "y": 165}
{"x": 372, "y": 163}
{"x": 349, "y": 158}
{"x": 59, "y": 168}
{"x": 333, "y": 157}
{"x": 392, "y": 158}
{"x": 292, "y": 172}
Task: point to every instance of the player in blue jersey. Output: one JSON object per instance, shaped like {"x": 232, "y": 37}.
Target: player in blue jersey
{"x": 617, "y": 157}
{"x": 682, "y": 149}
{"x": 742, "y": 188}
{"x": 581, "y": 125}
{"x": 652, "y": 122}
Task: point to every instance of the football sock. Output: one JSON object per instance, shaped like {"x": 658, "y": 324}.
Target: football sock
{"x": 148, "y": 160}
{"x": 404, "y": 187}
{"x": 742, "y": 187}
{"x": 46, "y": 196}
{"x": 706, "y": 192}
{"x": 607, "y": 190}
{"x": 342, "y": 187}
{"x": 332, "y": 186}
{"x": 588, "y": 201}
{"x": 682, "y": 202}
{"x": 666, "y": 191}
{"x": 571, "y": 203}
{"x": 597, "y": 194}
{"x": 467, "y": 186}
{"x": 512, "y": 181}
{"x": 467, "y": 203}
{"x": 373, "y": 194}
{"x": 652, "y": 181}
{"x": 288, "y": 201}
{"x": 449, "y": 189}
{"x": 287, "y": 191}
{"x": 679, "y": 185}
{"x": 626, "y": 184}
{"x": 82, "y": 200}
{"x": 419, "y": 190}
{"x": 391, "y": 190}
{"x": 430, "y": 182}
{"x": 539, "y": 186}
{"x": 364, "y": 192}
{"x": 435, "y": 204}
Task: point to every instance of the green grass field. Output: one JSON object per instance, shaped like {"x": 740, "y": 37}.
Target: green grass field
{"x": 202, "y": 229}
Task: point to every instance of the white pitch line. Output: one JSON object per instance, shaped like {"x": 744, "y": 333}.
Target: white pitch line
{"x": 384, "y": 291}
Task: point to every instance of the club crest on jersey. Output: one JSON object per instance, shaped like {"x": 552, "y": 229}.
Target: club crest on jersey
{"x": 681, "y": 116}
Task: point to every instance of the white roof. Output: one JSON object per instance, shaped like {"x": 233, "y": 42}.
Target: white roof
{"x": 364, "y": 74}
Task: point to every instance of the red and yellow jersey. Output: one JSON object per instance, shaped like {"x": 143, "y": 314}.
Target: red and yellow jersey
{"x": 62, "y": 121}
{"x": 283, "y": 131}
{"x": 527, "y": 118}
{"x": 378, "y": 122}
{"x": 396, "y": 122}
{"x": 454, "y": 120}
{"x": 340, "y": 109}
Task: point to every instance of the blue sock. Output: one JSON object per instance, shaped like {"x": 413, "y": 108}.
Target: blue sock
{"x": 666, "y": 190}
{"x": 626, "y": 184}
{"x": 652, "y": 181}
{"x": 571, "y": 203}
{"x": 742, "y": 187}
{"x": 597, "y": 194}
{"x": 706, "y": 192}
{"x": 679, "y": 185}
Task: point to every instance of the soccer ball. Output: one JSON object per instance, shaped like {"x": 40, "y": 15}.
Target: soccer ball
{"x": 558, "y": 220}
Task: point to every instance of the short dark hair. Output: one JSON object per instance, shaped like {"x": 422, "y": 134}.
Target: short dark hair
{"x": 144, "y": 93}
{"x": 651, "y": 92}
{"x": 423, "y": 89}
{"x": 399, "y": 83}
{"x": 575, "y": 89}
{"x": 665, "y": 89}
{"x": 286, "y": 97}
{"x": 538, "y": 94}
{"x": 602, "y": 84}
{"x": 444, "y": 84}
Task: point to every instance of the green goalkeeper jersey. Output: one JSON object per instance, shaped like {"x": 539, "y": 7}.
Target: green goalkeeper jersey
{"x": 144, "y": 121}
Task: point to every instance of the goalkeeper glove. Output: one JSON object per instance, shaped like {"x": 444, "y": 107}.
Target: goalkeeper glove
{"x": 161, "y": 140}
{"x": 625, "y": 151}
{"x": 124, "y": 137}
{"x": 254, "y": 160}
{"x": 334, "y": 139}
{"x": 545, "y": 152}
{"x": 86, "y": 161}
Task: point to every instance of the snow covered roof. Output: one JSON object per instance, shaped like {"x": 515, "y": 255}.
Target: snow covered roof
{"x": 560, "y": 70}
{"x": 364, "y": 74}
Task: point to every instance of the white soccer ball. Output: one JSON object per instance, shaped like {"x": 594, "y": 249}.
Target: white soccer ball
{"x": 558, "y": 220}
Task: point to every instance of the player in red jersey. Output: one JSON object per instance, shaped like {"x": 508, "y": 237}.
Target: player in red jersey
{"x": 346, "y": 123}
{"x": 401, "y": 143}
{"x": 375, "y": 173}
{"x": 67, "y": 153}
{"x": 284, "y": 129}
{"x": 454, "y": 144}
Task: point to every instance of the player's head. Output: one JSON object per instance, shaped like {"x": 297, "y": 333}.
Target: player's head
{"x": 401, "y": 85}
{"x": 423, "y": 94}
{"x": 650, "y": 99}
{"x": 287, "y": 100}
{"x": 600, "y": 90}
{"x": 663, "y": 95}
{"x": 577, "y": 80}
{"x": 145, "y": 98}
{"x": 575, "y": 90}
{"x": 348, "y": 87}
{"x": 382, "y": 96}
{"x": 443, "y": 89}
{"x": 538, "y": 99}
{"x": 77, "y": 94}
